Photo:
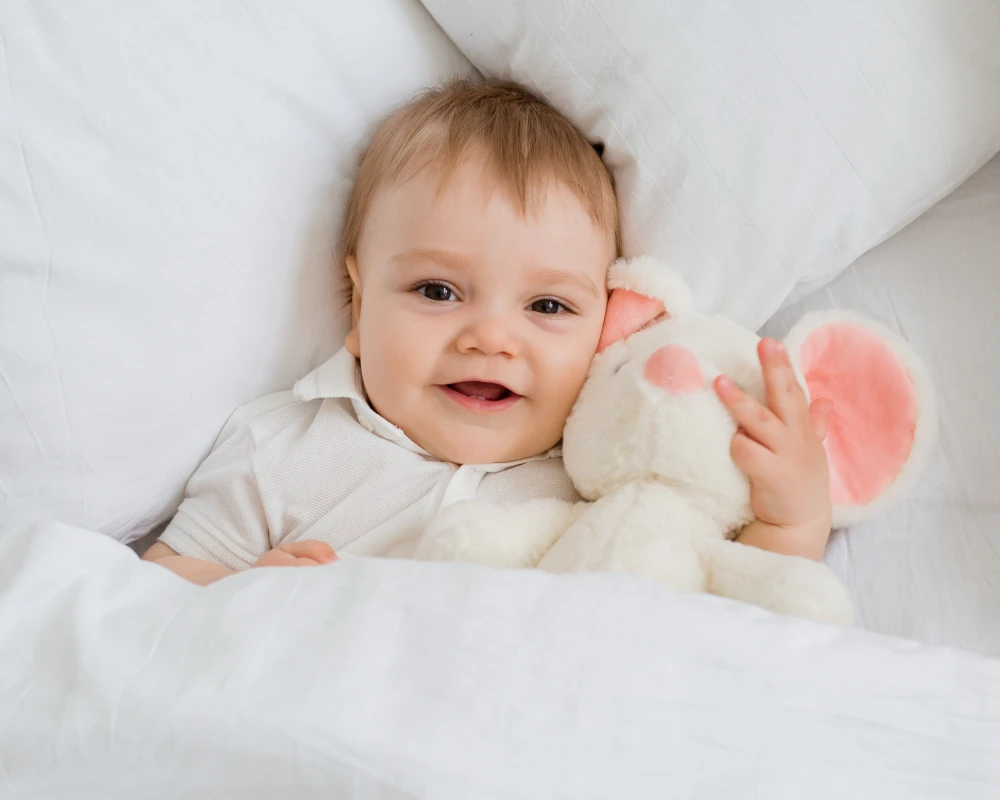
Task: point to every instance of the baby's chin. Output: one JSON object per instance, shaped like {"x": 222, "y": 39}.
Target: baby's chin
{"x": 478, "y": 446}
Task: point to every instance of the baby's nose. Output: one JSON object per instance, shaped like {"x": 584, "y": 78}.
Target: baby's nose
{"x": 674, "y": 369}
{"x": 489, "y": 335}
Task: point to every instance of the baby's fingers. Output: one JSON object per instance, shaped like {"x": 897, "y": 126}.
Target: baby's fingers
{"x": 754, "y": 417}
{"x": 312, "y": 549}
{"x": 783, "y": 394}
{"x": 819, "y": 416}
{"x": 750, "y": 456}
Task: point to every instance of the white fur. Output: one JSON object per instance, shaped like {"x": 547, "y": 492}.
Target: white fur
{"x": 647, "y": 276}
{"x": 667, "y": 496}
{"x": 468, "y": 531}
{"x": 622, "y": 532}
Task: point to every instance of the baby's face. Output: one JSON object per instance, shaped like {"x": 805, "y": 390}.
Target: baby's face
{"x": 476, "y": 324}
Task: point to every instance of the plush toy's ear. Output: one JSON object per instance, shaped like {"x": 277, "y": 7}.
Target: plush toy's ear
{"x": 642, "y": 291}
{"x": 883, "y": 422}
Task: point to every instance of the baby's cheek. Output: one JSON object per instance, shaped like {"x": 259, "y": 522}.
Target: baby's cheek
{"x": 389, "y": 329}
{"x": 565, "y": 372}
{"x": 387, "y": 357}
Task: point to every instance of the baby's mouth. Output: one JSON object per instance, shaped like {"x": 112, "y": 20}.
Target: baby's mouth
{"x": 481, "y": 390}
{"x": 481, "y": 396}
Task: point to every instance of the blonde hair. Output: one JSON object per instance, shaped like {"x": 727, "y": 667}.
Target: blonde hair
{"x": 526, "y": 144}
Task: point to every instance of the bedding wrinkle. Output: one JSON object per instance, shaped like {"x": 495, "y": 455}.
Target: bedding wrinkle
{"x": 48, "y": 268}
{"x": 241, "y": 5}
{"x": 684, "y": 128}
{"x": 856, "y": 598}
{"x": 241, "y": 702}
{"x": 57, "y": 371}
{"x": 956, "y": 487}
{"x": 763, "y": 138}
{"x": 27, "y": 173}
{"x": 622, "y": 142}
{"x": 822, "y": 122}
{"x": 897, "y": 317}
{"x": 154, "y": 646}
{"x": 990, "y": 545}
{"x": 29, "y": 181}
{"x": 5, "y": 781}
{"x": 875, "y": 95}
{"x": 289, "y": 598}
{"x": 24, "y": 416}
{"x": 390, "y": 657}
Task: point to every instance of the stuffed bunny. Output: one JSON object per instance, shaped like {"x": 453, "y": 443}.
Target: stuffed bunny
{"x": 648, "y": 445}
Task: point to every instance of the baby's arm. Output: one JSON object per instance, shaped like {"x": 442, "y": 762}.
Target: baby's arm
{"x": 222, "y": 526}
{"x": 806, "y": 541}
{"x": 309, "y": 553}
{"x": 194, "y": 569}
{"x": 780, "y": 447}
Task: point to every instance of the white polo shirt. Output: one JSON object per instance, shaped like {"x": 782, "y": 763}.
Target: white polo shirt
{"x": 317, "y": 462}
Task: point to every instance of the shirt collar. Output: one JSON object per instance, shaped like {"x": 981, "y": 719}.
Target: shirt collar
{"x": 340, "y": 378}
{"x": 335, "y": 378}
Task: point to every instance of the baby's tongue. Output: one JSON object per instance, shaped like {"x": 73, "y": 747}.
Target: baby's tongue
{"x": 484, "y": 391}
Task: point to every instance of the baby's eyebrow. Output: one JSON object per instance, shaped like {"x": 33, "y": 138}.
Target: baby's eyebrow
{"x": 443, "y": 257}
{"x": 558, "y": 277}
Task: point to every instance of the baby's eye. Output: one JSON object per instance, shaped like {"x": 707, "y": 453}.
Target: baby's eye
{"x": 548, "y": 306}
{"x": 438, "y": 292}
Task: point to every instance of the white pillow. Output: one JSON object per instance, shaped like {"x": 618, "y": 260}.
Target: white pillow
{"x": 758, "y": 144}
{"x": 172, "y": 179}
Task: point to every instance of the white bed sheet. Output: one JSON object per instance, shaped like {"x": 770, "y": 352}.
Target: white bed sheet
{"x": 930, "y": 569}
{"x": 399, "y": 679}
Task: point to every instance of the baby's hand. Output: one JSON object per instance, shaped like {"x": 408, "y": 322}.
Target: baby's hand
{"x": 780, "y": 446}
{"x": 308, "y": 553}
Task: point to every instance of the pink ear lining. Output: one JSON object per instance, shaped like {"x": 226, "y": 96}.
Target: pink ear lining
{"x": 872, "y": 425}
{"x": 627, "y": 313}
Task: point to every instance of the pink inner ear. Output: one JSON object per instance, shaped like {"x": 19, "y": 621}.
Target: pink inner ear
{"x": 872, "y": 424}
{"x": 627, "y": 313}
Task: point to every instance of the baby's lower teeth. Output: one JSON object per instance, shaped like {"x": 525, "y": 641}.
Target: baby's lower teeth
{"x": 488, "y": 394}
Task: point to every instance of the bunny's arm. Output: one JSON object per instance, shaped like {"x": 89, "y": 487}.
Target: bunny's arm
{"x": 497, "y": 534}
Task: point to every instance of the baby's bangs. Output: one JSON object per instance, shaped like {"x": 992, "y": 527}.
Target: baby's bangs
{"x": 521, "y": 165}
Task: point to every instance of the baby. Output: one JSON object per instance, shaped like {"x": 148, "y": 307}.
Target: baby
{"x": 478, "y": 234}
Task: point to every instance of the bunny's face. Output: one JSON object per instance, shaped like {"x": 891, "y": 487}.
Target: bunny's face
{"x": 648, "y": 412}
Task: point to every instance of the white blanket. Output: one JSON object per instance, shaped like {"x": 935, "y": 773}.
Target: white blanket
{"x": 401, "y": 679}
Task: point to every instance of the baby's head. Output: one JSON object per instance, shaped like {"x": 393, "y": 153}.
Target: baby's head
{"x": 478, "y": 235}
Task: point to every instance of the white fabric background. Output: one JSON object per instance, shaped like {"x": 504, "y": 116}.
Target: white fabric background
{"x": 759, "y": 145}
{"x": 168, "y": 177}
{"x": 172, "y": 179}
{"x": 930, "y": 569}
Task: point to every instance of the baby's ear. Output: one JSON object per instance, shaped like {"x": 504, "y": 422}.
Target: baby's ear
{"x": 883, "y": 422}
{"x": 353, "y": 339}
{"x": 642, "y": 291}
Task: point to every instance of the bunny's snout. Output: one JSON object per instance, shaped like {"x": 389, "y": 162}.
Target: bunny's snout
{"x": 674, "y": 369}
